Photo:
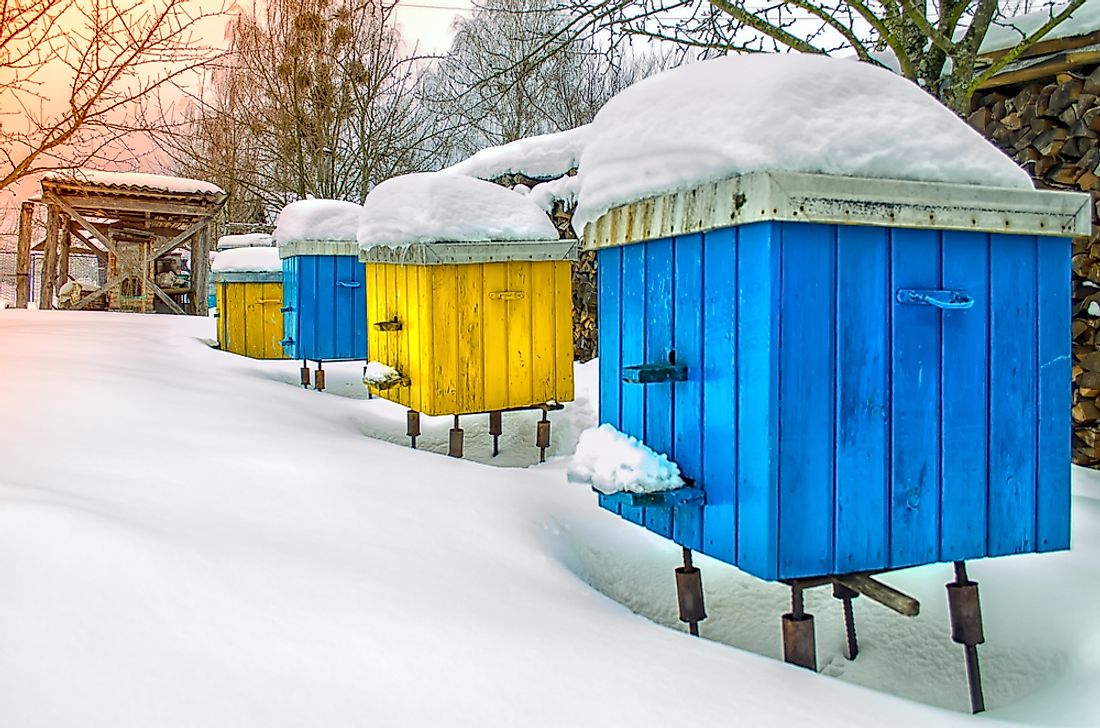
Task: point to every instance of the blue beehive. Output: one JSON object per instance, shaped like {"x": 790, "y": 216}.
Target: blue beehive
{"x": 324, "y": 304}
{"x": 324, "y": 284}
{"x": 858, "y": 375}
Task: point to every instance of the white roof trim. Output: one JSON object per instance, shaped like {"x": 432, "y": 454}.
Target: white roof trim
{"x": 798, "y": 197}
{"x": 470, "y": 252}
{"x": 318, "y": 247}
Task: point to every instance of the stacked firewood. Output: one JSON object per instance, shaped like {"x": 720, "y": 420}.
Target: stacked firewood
{"x": 1052, "y": 128}
{"x": 585, "y": 333}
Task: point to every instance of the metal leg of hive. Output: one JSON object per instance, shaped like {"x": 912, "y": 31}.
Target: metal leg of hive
{"x": 542, "y": 436}
{"x": 846, "y": 596}
{"x": 305, "y": 374}
{"x": 799, "y": 644}
{"x": 319, "y": 382}
{"x": 370, "y": 394}
{"x": 689, "y": 594}
{"x": 454, "y": 448}
{"x": 412, "y": 426}
{"x": 495, "y": 429}
{"x": 965, "y": 608}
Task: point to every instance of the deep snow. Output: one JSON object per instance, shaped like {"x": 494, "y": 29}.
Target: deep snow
{"x": 187, "y": 538}
{"x": 156, "y": 182}
{"x": 336, "y": 220}
{"x": 707, "y": 121}
{"x": 432, "y": 207}
{"x": 247, "y": 260}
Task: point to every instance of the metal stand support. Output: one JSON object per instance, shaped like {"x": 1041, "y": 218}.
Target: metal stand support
{"x": 689, "y": 594}
{"x": 542, "y": 436}
{"x": 799, "y": 646}
{"x": 966, "y": 629}
{"x": 495, "y": 429}
{"x": 305, "y": 374}
{"x": 455, "y": 447}
{"x": 320, "y": 380}
{"x": 370, "y": 394}
{"x": 846, "y": 596}
{"x": 412, "y": 426}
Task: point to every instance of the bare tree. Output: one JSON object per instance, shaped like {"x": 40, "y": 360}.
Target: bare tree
{"x": 75, "y": 73}
{"x": 315, "y": 99}
{"x": 502, "y": 85}
{"x": 933, "y": 44}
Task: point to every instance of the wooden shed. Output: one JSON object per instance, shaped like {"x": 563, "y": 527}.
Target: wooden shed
{"x": 152, "y": 233}
{"x": 858, "y": 375}
{"x": 248, "y": 284}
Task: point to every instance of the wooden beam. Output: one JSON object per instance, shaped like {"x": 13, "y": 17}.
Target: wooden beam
{"x": 181, "y": 238}
{"x": 49, "y": 260}
{"x": 23, "y": 255}
{"x": 63, "y": 253}
{"x": 106, "y": 206}
{"x": 159, "y": 293}
{"x": 1044, "y": 47}
{"x": 885, "y": 595}
{"x": 1056, "y": 65}
{"x": 200, "y": 269}
{"x": 99, "y": 292}
{"x": 83, "y": 222}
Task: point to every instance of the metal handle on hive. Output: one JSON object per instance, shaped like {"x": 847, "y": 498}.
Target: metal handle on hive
{"x": 348, "y": 284}
{"x": 505, "y": 295}
{"x": 945, "y": 300}
{"x": 391, "y": 325}
{"x": 656, "y": 373}
{"x": 286, "y": 309}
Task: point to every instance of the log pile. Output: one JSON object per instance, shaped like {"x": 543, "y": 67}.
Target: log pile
{"x": 1051, "y": 127}
{"x": 585, "y": 332}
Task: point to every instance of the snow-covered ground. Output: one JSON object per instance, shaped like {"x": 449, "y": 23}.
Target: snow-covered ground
{"x": 187, "y": 538}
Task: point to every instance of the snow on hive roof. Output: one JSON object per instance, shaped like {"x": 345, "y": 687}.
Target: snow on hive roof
{"x": 317, "y": 220}
{"x": 432, "y": 207}
{"x": 797, "y": 113}
{"x": 1006, "y": 32}
{"x": 135, "y": 181}
{"x": 539, "y": 157}
{"x": 247, "y": 240}
{"x": 247, "y": 260}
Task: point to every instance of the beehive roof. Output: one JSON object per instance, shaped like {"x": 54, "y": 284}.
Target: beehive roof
{"x": 725, "y": 117}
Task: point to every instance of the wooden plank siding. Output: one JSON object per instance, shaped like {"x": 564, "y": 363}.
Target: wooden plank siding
{"x": 834, "y": 429}
{"x": 249, "y": 320}
{"x": 464, "y": 346}
{"x": 327, "y": 316}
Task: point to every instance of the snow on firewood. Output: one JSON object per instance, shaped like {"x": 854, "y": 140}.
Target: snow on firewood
{"x": 613, "y": 462}
{"x": 796, "y": 113}
{"x": 336, "y": 220}
{"x": 538, "y": 157}
{"x": 435, "y": 207}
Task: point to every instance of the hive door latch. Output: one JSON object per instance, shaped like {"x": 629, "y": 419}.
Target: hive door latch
{"x": 945, "y": 300}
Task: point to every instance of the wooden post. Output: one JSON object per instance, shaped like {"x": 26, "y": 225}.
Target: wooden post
{"x": 66, "y": 239}
{"x": 49, "y": 261}
{"x": 23, "y": 255}
{"x": 200, "y": 268}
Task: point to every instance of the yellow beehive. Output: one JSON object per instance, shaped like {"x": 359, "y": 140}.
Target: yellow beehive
{"x": 249, "y": 318}
{"x": 472, "y": 327}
